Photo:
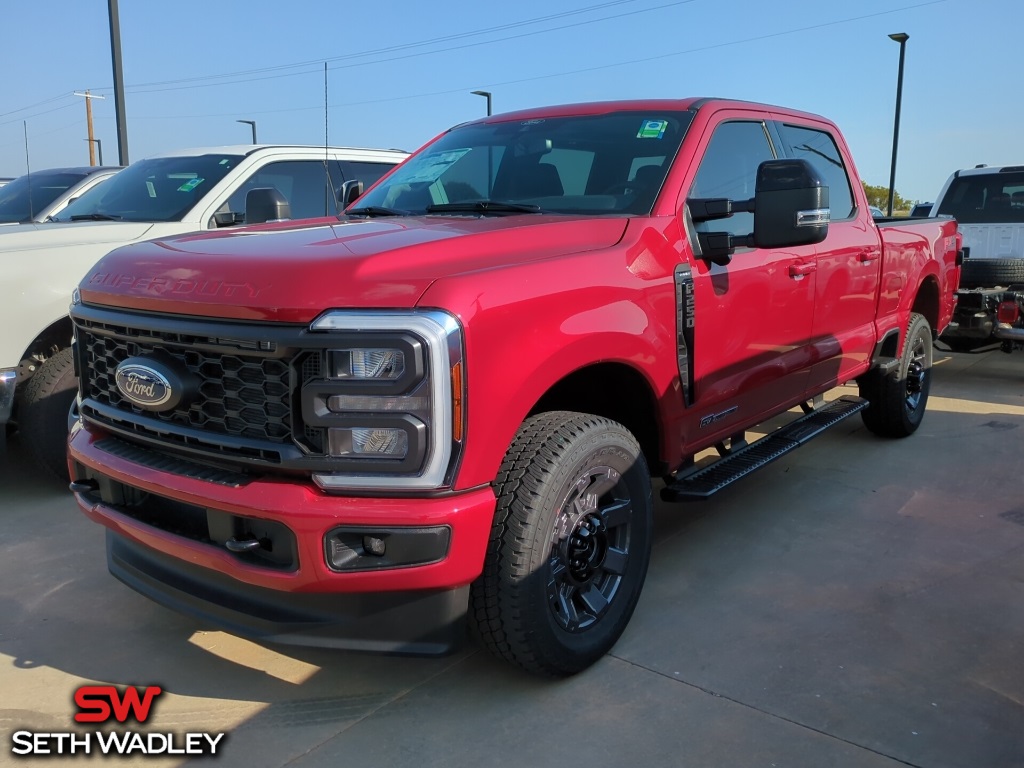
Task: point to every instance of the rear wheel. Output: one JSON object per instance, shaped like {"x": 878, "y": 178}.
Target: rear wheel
{"x": 898, "y": 398}
{"x": 43, "y": 419}
{"x": 569, "y": 547}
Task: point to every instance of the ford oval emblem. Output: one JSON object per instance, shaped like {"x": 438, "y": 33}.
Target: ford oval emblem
{"x": 144, "y": 385}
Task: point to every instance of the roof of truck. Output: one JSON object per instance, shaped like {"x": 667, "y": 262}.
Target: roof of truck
{"x": 640, "y": 105}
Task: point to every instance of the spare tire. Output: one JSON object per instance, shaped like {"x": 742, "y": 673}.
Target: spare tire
{"x": 988, "y": 273}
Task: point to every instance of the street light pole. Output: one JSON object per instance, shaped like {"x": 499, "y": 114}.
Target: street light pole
{"x": 486, "y": 95}
{"x": 115, "y": 55}
{"x": 251, "y": 123}
{"x": 901, "y": 38}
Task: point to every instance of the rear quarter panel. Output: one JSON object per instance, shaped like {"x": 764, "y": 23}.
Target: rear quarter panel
{"x": 919, "y": 273}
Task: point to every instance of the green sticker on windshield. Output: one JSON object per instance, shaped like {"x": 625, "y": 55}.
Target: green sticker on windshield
{"x": 191, "y": 184}
{"x": 652, "y": 129}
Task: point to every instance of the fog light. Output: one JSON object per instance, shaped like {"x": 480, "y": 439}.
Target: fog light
{"x": 373, "y": 546}
{"x": 369, "y": 442}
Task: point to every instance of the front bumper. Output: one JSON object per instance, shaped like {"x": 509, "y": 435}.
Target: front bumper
{"x": 300, "y": 598}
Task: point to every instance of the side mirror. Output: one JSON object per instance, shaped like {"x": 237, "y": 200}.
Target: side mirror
{"x": 790, "y": 205}
{"x": 349, "y": 192}
{"x": 228, "y": 218}
{"x": 266, "y": 204}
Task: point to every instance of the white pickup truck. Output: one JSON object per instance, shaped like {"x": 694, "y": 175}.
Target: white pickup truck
{"x": 988, "y": 204}
{"x": 177, "y": 193}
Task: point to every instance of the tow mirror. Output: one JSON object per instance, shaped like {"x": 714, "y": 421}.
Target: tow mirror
{"x": 790, "y": 205}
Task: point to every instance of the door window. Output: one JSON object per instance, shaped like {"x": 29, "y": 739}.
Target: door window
{"x": 304, "y": 184}
{"x": 729, "y": 169}
{"x": 820, "y": 150}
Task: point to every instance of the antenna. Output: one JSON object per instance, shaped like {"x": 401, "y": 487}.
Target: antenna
{"x": 327, "y": 171}
{"x": 28, "y": 172}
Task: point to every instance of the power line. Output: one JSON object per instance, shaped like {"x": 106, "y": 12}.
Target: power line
{"x": 193, "y": 84}
{"x": 391, "y": 48}
{"x": 583, "y": 70}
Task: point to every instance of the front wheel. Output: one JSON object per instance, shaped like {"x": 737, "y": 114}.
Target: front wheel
{"x": 898, "y": 398}
{"x": 43, "y": 421}
{"x": 569, "y": 546}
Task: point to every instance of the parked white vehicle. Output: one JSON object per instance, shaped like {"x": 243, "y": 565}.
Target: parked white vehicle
{"x": 988, "y": 204}
{"x": 177, "y": 193}
{"x": 40, "y": 195}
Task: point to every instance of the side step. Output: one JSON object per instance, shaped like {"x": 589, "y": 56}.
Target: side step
{"x": 714, "y": 477}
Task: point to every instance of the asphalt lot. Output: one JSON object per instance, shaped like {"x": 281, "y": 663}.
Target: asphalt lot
{"x": 860, "y": 602}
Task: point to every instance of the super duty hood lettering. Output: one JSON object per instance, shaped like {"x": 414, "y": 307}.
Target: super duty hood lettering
{"x": 166, "y": 286}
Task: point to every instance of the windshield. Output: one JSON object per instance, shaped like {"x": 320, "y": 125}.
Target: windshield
{"x": 585, "y": 164}
{"x": 989, "y": 198}
{"x": 159, "y": 189}
{"x": 23, "y": 198}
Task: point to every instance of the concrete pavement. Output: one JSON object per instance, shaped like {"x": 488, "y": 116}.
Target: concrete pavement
{"x": 860, "y": 602}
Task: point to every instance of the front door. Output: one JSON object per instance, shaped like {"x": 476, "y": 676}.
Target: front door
{"x": 753, "y": 317}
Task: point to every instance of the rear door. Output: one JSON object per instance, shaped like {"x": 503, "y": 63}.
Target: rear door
{"x": 848, "y": 262}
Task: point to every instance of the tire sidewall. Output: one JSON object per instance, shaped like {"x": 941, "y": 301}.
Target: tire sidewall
{"x": 918, "y": 330}
{"x": 614, "y": 449}
{"x": 44, "y": 417}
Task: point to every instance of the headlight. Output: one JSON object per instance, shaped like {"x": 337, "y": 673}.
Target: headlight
{"x": 389, "y": 399}
{"x": 375, "y": 364}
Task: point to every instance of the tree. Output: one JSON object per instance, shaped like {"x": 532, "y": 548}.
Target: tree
{"x": 879, "y": 196}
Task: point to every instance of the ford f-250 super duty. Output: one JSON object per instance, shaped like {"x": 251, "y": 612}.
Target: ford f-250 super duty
{"x": 167, "y": 194}
{"x": 451, "y": 400}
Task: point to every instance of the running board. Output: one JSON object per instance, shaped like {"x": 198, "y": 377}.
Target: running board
{"x": 725, "y": 471}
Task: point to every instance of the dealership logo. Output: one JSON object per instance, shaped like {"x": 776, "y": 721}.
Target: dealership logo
{"x": 110, "y": 705}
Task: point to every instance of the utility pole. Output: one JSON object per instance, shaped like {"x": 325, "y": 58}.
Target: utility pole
{"x": 88, "y": 120}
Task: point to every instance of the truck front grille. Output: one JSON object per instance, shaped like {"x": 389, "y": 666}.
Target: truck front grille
{"x": 245, "y": 409}
{"x": 239, "y": 395}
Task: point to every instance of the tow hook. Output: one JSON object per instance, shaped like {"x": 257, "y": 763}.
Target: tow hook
{"x": 237, "y": 546}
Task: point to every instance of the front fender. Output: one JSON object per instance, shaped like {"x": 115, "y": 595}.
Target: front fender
{"x": 528, "y": 327}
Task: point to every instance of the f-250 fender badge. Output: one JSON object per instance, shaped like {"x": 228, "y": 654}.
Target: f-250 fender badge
{"x": 711, "y": 418}
{"x": 152, "y": 384}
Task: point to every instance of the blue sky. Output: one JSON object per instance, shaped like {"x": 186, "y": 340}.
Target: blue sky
{"x": 401, "y": 72}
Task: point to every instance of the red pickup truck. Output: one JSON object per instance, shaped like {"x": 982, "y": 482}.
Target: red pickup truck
{"x": 450, "y": 401}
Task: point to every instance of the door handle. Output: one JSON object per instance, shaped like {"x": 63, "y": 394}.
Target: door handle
{"x": 866, "y": 257}
{"x": 802, "y": 270}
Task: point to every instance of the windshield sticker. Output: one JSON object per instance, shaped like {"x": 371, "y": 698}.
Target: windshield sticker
{"x": 150, "y": 189}
{"x": 652, "y": 129}
{"x": 432, "y": 166}
{"x": 191, "y": 184}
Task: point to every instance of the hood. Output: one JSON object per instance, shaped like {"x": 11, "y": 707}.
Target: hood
{"x": 291, "y": 273}
{"x": 26, "y": 237}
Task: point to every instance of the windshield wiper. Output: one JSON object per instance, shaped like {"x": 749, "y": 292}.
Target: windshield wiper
{"x": 95, "y": 217}
{"x": 376, "y": 210}
{"x": 483, "y": 206}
